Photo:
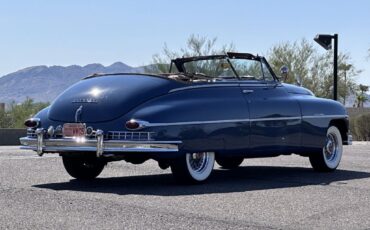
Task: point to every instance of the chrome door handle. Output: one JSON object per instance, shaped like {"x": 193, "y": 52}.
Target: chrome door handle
{"x": 248, "y": 91}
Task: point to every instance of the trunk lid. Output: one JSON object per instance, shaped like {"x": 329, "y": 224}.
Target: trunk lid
{"x": 105, "y": 98}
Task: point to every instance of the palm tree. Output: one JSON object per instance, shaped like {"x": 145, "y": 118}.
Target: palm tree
{"x": 362, "y": 97}
{"x": 363, "y": 88}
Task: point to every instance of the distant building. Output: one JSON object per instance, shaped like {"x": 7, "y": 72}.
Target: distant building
{"x": 2, "y": 106}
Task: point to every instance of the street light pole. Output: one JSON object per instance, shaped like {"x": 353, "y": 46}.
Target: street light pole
{"x": 335, "y": 96}
{"x": 325, "y": 40}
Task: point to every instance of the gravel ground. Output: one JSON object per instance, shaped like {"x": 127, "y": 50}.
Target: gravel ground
{"x": 268, "y": 193}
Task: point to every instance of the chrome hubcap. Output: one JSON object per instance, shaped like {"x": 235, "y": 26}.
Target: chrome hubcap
{"x": 198, "y": 161}
{"x": 331, "y": 147}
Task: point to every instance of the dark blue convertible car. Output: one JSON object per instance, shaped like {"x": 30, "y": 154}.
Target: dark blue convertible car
{"x": 222, "y": 108}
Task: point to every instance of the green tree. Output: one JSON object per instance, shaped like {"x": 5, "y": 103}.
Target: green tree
{"x": 314, "y": 69}
{"x": 5, "y": 120}
{"x": 195, "y": 46}
{"x": 296, "y": 56}
{"x": 18, "y": 113}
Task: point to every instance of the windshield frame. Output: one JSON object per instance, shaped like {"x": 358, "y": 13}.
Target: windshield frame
{"x": 179, "y": 62}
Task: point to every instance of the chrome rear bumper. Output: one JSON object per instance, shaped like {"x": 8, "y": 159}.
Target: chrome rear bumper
{"x": 98, "y": 145}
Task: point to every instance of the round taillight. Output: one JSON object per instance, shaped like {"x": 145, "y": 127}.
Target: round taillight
{"x": 132, "y": 125}
{"x": 32, "y": 122}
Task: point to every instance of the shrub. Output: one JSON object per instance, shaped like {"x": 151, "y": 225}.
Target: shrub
{"x": 352, "y": 120}
{"x": 361, "y": 127}
{"x": 18, "y": 113}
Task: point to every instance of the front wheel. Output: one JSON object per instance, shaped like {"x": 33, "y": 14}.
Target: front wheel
{"x": 331, "y": 155}
{"x": 83, "y": 168}
{"x": 193, "y": 167}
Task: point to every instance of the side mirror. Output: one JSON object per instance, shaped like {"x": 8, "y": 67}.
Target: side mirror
{"x": 284, "y": 70}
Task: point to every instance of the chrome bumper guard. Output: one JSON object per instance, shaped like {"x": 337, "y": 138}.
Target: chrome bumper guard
{"x": 349, "y": 139}
{"x": 98, "y": 145}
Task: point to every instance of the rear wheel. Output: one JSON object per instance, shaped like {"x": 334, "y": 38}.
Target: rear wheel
{"x": 229, "y": 162}
{"x": 193, "y": 167}
{"x": 331, "y": 155}
{"x": 83, "y": 168}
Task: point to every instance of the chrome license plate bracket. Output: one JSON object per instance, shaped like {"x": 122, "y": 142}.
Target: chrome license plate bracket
{"x": 74, "y": 130}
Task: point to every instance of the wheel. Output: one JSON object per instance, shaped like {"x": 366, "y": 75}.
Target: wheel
{"x": 229, "y": 162}
{"x": 331, "y": 155}
{"x": 193, "y": 167}
{"x": 83, "y": 168}
{"x": 163, "y": 164}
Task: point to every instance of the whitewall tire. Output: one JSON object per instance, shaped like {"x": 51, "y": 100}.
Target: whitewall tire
{"x": 193, "y": 167}
{"x": 331, "y": 154}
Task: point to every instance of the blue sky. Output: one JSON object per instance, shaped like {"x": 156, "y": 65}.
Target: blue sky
{"x": 88, "y": 31}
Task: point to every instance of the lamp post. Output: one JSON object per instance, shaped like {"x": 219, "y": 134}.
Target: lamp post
{"x": 325, "y": 41}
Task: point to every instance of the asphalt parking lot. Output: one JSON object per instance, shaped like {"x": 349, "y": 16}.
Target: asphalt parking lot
{"x": 270, "y": 193}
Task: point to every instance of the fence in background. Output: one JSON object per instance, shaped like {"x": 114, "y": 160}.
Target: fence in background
{"x": 11, "y": 136}
{"x": 353, "y": 112}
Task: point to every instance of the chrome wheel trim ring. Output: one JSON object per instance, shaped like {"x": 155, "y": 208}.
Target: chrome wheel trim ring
{"x": 333, "y": 148}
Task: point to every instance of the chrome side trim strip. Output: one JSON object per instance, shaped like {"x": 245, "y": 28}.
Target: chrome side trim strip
{"x": 324, "y": 116}
{"x": 203, "y": 86}
{"x": 276, "y": 119}
{"x": 222, "y": 121}
{"x": 243, "y": 120}
{"x": 196, "y": 122}
{"x": 258, "y": 85}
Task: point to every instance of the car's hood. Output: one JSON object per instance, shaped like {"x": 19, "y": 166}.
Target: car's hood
{"x": 107, "y": 97}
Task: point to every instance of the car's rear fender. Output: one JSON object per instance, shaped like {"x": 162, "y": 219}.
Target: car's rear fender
{"x": 205, "y": 119}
